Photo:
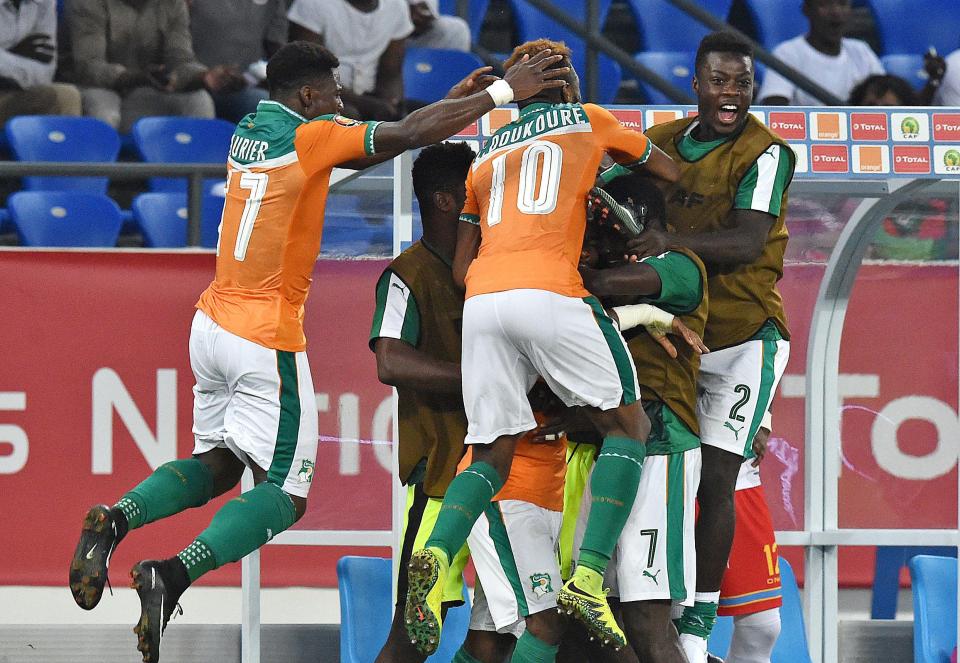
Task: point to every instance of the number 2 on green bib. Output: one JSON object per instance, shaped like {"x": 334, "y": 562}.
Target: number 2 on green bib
{"x": 539, "y": 181}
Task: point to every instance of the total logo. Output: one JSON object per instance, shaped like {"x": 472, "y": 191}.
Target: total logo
{"x": 869, "y": 126}
{"x": 910, "y": 127}
{"x": 946, "y": 160}
{"x": 946, "y": 127}
{"x": 789, "y": 126}
{"x": 829, "y": 159}
{"x": 631, "y": 119}
{"x": 911, "y": 159}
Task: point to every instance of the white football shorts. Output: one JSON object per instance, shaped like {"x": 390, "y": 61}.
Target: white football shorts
{"x": 512, "y": 337}
{"x": 735, "y": 389}
{"x": 257, "y": 402}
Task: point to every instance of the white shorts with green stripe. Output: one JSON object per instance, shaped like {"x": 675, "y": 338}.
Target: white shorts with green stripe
{"x": 512, "y": 337}
{"x": 513, "y": 546}
{"x": 736, "y": 386}
{"x": 257, "y": 402}
{"x": 656, "y": 557}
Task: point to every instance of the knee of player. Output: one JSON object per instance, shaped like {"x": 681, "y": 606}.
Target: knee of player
{"x": 299, "y": 506}
{"x": 547, "y": 625}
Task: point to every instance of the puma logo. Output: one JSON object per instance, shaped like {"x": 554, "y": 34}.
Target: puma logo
{"x": 736, "y": 431}
{"x": 398, "y": 287}
{"x": 653, "y": 576}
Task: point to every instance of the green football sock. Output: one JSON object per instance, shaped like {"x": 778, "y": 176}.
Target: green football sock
{"x": 173, "y": 487}
{"x": 241, "y": 526}
{"x": 699, "y": 618}
{"x": 613, "y": 486}
{"x": 467, "y": 496}
{"x": 531, "y": 649}
{"x": 463, "y": 657}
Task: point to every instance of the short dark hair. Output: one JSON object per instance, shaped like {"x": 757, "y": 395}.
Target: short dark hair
{"x": 440, "y": 167}
{"x": 298, "y": 63}
{"x": 643, "y": 190}
{"x": 722, "y": 42}
{"x": 879, "y": 85}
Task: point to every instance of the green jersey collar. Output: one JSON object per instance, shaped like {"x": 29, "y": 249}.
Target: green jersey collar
{"x": 539, "y": 106}
{"x": 270, "y": 106}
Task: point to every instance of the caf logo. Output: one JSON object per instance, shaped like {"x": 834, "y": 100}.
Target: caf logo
{"x": 910, "y": 127}
{"x": 951, "y": 158}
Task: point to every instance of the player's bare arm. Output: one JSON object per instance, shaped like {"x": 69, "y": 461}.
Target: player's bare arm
{"x": 660, "y": 165}
{"x": 634, "y": 279}
{"x": 741, "y": 244}
{"x": 440, "y": 120}
{"x": 468, "y": 245}
{"x": 399, "y": 364}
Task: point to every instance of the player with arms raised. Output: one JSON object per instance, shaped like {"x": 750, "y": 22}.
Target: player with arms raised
{"x": 254, "y": 397}
{"x": 527, "y": 314}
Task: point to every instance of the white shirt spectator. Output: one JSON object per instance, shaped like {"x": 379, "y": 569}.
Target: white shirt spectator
{"x": 357, "y": 38}
{"x": 838, "y": 74}
{"x": 33, "y": 17}
{"x": 949, "y": 92}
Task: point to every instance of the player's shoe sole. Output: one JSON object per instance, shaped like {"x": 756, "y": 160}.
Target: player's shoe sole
{"x": 593, "y": 611}
{"x": 422, "y": 617}
{"x": 88, "y": 568}
{"x": 156, "y": 606}
{"x": 621, "y": 213}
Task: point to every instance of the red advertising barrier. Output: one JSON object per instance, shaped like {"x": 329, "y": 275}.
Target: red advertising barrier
{"x": 95, "y": 390}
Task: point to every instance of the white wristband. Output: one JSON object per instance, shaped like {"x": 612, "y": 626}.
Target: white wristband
{"x": 655, "y": 320}
{"x": 501, "y": 92}
{"x": 767, "y": 421}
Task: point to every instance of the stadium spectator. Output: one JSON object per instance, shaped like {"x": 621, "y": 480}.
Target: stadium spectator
{"x": 134, "y": 58}
{"x": 883, "y": 90}
{"x": 948, "y": 92}
{"x": 247, "y": 34}
{"x": 431, "y": 29}
{"x": 837, "y": 62}
{"x": 28, "y": 59}
{"x": 368, "y": 37}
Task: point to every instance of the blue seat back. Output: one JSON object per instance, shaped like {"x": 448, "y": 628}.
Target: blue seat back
{"x": 366, "y": 610}
{"x": 886, "y": 575}
{"x": 534, "y": 24}
{"x": 675, "y": 66}
{"x": 934, "y": 608}
{"x": 181, "y": 140}
{"x": 163, "y": 219}
{"x": 663, "y": 27}
{"x": 65, "y": 218}
{"x": 61, "y": 138}
{"x": 776, "y": 21}
{"x": 477, "y": 11}
{"x": 429, "y": 73}
{"x": 791, "y": 646}
{"x": 908, "y": 67}
{"x": 906, "y": 27}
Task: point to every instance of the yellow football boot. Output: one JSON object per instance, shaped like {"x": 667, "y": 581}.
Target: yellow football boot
{"x": 584, "y": 598}
{"x": 425, "y": 578}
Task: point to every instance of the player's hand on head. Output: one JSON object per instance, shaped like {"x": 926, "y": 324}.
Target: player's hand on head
{"x": 477, "y": 80}
{"x": 529, "y": 75}
{"x": 760, "y": 445}
{"x": 650, "y": 242}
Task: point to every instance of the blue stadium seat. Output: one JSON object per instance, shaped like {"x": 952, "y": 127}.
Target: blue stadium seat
{"x": 366, "y": 609}
{"x": 886, "y": 575}
{"x": 60, "y": 138}
{"x": 476, "y": 13}
{"x": 906, "y": 27}
{"x": 791, "y": 646}
{"x": 182, "y": 140}
{"x": 776, "y": 21}
{"x": 908, "y": 67}
{"x": 65, "y": 218}
{"x": 934, "y": 608}
{"x": 675, "y": 66}
{"x": 429, "y": 73}
{"x": 162, "y": 218}
{"x": 534, "y": 24}
{"x": 663, "y": 27}
{"x": 352, "y": 234}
